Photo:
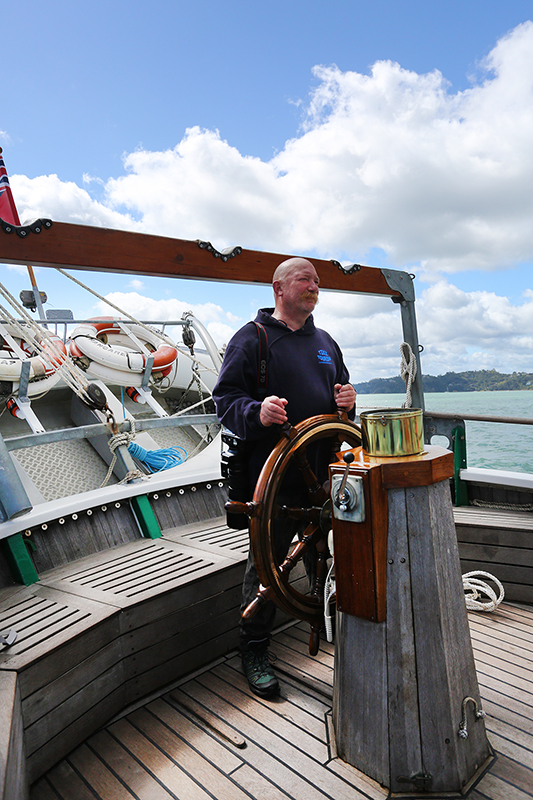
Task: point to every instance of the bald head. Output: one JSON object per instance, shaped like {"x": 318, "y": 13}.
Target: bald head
{"x": 284, "y": 269}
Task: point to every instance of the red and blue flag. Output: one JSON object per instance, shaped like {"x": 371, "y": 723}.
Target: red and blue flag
{"x": 8, "y": 209}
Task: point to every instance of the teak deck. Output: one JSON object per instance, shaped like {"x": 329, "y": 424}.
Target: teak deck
{"x": 188, "y": 743}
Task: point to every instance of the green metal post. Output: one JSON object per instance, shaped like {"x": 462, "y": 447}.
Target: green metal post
{"x": 19, "y": 560}
{"x": 144, "y": 514}
{"x": 459, "y": 457}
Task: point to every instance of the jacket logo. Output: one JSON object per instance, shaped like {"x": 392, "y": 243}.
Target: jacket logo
{"x": 323, "y": 356}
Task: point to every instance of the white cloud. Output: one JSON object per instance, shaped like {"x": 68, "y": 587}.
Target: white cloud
{"x": 220, "y": 324}
{"x": 458, "y": 330}
{"x": 441, "y": 182}
{"x": 391, "y": 160}
{"x": 63, "y": 201}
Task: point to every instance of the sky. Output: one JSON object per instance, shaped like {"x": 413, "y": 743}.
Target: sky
{"x": 394, "y": 133}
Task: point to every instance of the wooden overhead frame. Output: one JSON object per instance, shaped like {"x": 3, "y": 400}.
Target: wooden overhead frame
{"x": 62, "y": 244}
{"x": 105, "y": 250}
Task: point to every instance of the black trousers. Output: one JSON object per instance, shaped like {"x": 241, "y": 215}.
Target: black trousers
{"x": 256, "y": 631}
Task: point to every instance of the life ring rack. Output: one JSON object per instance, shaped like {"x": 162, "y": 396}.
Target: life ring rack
{"x": 103, "y": 348}
{"x": 44, "y": 365}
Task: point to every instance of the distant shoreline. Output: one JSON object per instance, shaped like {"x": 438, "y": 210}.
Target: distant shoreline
{"x": 472, "y": 381}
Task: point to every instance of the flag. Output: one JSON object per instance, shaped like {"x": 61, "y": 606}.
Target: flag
{"x": 8, "y": 209}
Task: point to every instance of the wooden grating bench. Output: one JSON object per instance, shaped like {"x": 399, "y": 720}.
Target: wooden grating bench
{"x": 99, "y": 633}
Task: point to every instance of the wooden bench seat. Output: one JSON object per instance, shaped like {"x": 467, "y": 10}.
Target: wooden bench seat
{"x": 97, "y": 634}
{"x": 498, "y": 541}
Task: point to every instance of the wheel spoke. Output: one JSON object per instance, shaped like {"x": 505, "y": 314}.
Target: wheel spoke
{"x": 311, "y": 514}
{"x": 275, "y": 571}
{"x": 310, "y": 536}
{"x": 315, "y": 490}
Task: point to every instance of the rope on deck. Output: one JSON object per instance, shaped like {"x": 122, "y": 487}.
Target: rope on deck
{"x": 475, "y": 588}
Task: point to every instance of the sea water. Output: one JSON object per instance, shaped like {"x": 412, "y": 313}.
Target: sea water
{"x": 490, "y": 445}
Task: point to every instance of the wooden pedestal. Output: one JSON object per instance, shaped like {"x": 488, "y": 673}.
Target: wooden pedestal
{"x": 401, "y": 682}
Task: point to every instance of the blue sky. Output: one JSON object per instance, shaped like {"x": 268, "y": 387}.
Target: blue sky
{"x": 390, "y": 133}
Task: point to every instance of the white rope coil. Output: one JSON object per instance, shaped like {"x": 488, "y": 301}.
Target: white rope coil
{"x": 475, "y": 588}
{"x": 407, "y": 371}
{"x": 329, "y": 593}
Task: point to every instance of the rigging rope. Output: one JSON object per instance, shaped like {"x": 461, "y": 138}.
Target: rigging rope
{"x": 35, "y": 335}
{"x": 407, "y": 371}
{"x": 118, "y": 440}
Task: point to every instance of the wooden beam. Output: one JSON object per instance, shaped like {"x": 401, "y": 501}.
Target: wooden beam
{"x": 106, "y": 250}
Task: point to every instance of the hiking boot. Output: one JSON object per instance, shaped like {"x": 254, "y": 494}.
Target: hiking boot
{"x": 257, "y": 667}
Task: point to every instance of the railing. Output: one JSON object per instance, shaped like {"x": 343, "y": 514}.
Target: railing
{"x": 452, "y": 426}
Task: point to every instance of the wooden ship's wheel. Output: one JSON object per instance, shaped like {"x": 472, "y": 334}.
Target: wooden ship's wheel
{"x": 264, "y": 510}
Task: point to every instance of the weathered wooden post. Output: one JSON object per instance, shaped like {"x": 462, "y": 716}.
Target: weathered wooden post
{"x": 406, "y": 706}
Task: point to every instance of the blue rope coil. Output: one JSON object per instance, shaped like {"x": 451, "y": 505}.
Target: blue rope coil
{"x": 158, "y": 460}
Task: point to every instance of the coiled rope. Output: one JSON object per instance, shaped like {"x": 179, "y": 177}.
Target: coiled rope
{"x": 158, "y": 460}
{"x": 407, "y": 371}
{"x": 475, "y": 588}
{"x": 123, "y": 439}
{"x": 329, "y": 593}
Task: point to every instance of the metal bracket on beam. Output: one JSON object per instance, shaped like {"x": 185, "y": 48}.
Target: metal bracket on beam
{"x": 224, "y": 255}
{"x": 23, "y": 230}
{"x": 347, "y": 270}
{"x": 401, "y": 282}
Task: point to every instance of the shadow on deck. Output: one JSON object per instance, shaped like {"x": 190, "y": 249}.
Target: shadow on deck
{"x": 208, "y": 737}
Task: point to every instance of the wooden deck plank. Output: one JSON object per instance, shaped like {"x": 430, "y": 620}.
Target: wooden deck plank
{"x": 509, "y": 748}
{"x": 168, "y": 771}
{"x": 294, "y": 691}
{"x": 509, "y": 657}
{"x": 130, "y": 770}
{"x": 67, "y": 782}
{"x": 271, "y": 716}
{"x": 266, "y": 729}
{"x": 504, "y": 705}
{"x": 253, "y": 782}
{"x": 299, "y": 661}
{"x": 358, "y": 779}
{"x": 179, "y": 751}
{"x": 300, "y": 646}
{"x": 493, "y": 786}
{"x": 301, "y": 632}
{"x": 518, "y": 735}
{"x": 43, "y": 791}
{"x": 500, "y": 637}
{"x": 227, "y": 758}
{"x": 95, "y": 772}
{"x": 515, "y": 774}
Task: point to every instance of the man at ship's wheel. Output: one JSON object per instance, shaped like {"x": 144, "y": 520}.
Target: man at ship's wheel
{"x": 306, "y": 377}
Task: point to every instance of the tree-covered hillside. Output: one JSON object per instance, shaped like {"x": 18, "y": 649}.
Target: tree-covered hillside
{"x": 485, "y": 380}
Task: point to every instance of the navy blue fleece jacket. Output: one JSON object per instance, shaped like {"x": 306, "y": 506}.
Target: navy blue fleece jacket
{"x": 303, "y": 367}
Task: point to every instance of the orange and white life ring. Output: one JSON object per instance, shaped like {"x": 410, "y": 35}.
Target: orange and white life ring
{"x": 102, "y": 348}
{"x": 43, "y": 366}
